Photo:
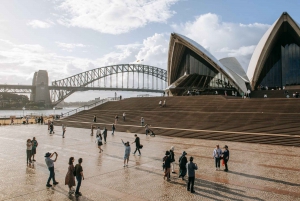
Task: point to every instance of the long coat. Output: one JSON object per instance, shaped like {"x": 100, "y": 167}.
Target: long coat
{"x": 70, "y": 178}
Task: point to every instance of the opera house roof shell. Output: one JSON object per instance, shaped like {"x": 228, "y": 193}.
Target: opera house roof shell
{"x": 229, "y": 67}
{"x": 266, "y": 45}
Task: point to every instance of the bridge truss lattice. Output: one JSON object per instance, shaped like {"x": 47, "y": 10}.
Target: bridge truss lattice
{"x": 124, "y": 77}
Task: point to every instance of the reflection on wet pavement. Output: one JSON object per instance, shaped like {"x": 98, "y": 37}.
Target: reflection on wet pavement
{"x": 256, "y": 172}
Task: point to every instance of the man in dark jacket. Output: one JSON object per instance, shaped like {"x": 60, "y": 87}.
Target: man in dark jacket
{"x": 191, "y": 167}
{"x": 182, "y": 165}
{"x": 104, "y": 134}
{"x": 226, "y": 157}
{"x": 167, "y": 165}
{"x": 137, "y": 144}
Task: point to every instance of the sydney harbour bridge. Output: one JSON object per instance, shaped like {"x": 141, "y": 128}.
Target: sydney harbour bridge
{"x": 121, "y": 77}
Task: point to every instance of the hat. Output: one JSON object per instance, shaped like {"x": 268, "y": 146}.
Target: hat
{"x": 47, "y": 154}
{"x": 184, "y": 153}
{"x": 172, "y": 148}
{"x": 167, "y": 153}
{"x": 225, "y": 146}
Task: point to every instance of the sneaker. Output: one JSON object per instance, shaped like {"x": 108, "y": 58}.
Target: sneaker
{"x": 79, "y": 193}
{"x": 33, "y": 160}
{"x": 55, "y": 183}
{"x": 192, "y": 191}
{"x": 188, "y": 189}
{"x": 49, "y": 185}
{"x": 140, "y": 154}
{"x": 124, "y": 165}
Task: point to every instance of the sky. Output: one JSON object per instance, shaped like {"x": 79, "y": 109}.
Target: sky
{"x": 66, "y": 37}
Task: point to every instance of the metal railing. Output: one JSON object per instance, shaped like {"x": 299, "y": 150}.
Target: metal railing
{"x": 87, "y": 107}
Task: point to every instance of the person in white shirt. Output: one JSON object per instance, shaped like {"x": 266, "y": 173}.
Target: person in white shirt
{"x": 124, "y": 115}
{"x": 98, "y": 131}
{"x": 217, "y": 156}
{"x": 160, "y": 103}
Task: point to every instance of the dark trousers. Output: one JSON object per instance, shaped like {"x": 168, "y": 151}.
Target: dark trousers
{"x": 79, "y": 179}
{"x": 190, "y": 184}
{"x": 113, "y": 130}
{"x": 217, "y": 162}
{"x": 123, "y": 118}
{"x": 225, "y": 161}
{"x": 137, "y": 149}
{"x": 51, "y": 130}
{"x": 63, "y": 133}
{"x": 182, "y": 172}
{"x": 104, "y": 136}
{"x": 52, "y": 175}
{"x": 28, "y": 153}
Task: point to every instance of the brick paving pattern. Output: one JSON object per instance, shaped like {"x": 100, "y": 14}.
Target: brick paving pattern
{"x": 256, "y": 172}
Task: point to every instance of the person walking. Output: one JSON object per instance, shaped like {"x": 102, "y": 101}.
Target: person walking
{"x": 191, "y": 167}
{"x": 217, "y": 153}
{"x": 142, "y": 121}
{"x": 146, "y": 129}
{"x": 50, "y": 165}
{"x": 165, "y": 103}
{"x": 98, "y": 132}
{"x": 51, "y": 128}
{"x": 182, "y": 165}
{"x": 172, "y": 157}
{"x": 127, "y": 152}
{"x": 63, "y": 130}
{"x": 116, "y": 119}
{"x": 95, "y": 119}
{"x": 79, "y": 177}
{"x": 70, "y": 178}
{"x": 113, "y": 128}
{"x": 92, "y": 129}
{"x": 99, "y": 140}
{"x": 28, "y": 151}
{"x": 226, "y": 157}
{"x": 167, "y": 165}
{"x": 137, "y": 144}
{"x": 34, "y": 146}
{"x": 124, "y": 116}
{"x": 104, "y": 135}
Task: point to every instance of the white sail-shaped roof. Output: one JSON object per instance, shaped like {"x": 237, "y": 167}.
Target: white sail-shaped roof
{"x": 263, "y": 49}
{"x": 237, "y": 79}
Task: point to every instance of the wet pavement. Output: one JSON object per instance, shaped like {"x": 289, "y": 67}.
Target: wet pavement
{"x": 256, "y": 172}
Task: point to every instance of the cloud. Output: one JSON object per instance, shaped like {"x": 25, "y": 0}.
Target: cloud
{"x": 154, "y": 50}
{"x": 114, "y": 16}
{"x": 40, "y": 24}
{"x": 224, "y": 39}
{"x": 70, "y": 45}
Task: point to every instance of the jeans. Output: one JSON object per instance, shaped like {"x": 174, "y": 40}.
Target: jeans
{"x": 137, "y": 149}
{"x": 79, "y": 179}
{"x": 63, "y": 133}
{"x": 52, "y": 175}
{"x": 28, "y": 153}
{"x": 113, "y": 130}
{"x": 190, "y": 185}
{"x": 104, "y": 136}
{"x": 217, "y": 162}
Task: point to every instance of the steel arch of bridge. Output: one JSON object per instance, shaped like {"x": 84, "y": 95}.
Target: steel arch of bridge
{"x": 80, "y": 81}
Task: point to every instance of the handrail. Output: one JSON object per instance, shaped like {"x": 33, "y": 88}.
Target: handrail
{"x": 87, "y": 107}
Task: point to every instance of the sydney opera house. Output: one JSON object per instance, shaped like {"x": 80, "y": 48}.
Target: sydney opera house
{"x": 275, "y": 63}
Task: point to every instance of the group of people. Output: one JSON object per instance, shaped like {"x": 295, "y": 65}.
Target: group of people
{"x": 162, "y": 104}
{"x": 72, "y": 173}
{"x": 184, "y": 167}
{"x": 128, "y": 149}
{"x": 31, "y": 146}
{"x": 189, "y": 168}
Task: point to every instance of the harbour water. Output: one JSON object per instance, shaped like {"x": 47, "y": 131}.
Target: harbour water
{"x": 19, "y": 113}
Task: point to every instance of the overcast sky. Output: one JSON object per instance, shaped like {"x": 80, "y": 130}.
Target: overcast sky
{"x": 66, "y": 37}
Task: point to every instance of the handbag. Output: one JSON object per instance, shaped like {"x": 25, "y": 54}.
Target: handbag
{"x": 141, "y": 146}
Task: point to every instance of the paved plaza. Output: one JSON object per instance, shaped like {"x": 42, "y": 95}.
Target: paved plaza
{"x": 256, "y": 172}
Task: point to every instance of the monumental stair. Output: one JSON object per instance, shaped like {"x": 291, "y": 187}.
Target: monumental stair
{"x": 214, "y": 117}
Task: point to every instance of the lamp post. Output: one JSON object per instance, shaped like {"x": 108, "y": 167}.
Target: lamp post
{"x": 54, "y": 112}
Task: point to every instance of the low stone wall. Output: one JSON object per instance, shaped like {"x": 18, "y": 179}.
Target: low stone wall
{"x": 7, "y": 121}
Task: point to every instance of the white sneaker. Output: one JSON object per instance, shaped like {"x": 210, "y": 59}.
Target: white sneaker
{"x": 124, "y": 165}
{"x": 140, "y": 154}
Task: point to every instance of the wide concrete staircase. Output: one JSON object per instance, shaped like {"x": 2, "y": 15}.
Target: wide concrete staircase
{"x": 268, "y": 121}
